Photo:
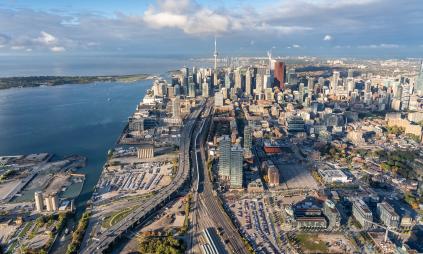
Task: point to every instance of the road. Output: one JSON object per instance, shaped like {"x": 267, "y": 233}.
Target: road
{"x": 207, "y": 207}
{"x": 103, "y": 242}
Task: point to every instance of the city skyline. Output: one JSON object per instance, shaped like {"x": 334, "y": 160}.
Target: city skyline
{"x": 364, "y": 28}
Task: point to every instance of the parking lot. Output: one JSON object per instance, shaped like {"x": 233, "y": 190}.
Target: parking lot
{"x": 253, "y": 216}
{"x": 141, "y": 178}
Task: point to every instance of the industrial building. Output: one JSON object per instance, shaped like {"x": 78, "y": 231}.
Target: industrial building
{"x": 333, "y": 176}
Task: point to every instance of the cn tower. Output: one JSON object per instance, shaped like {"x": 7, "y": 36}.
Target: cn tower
{"x": 215, "y": 54}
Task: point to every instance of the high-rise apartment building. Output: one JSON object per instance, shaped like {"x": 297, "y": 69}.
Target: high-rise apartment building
{"x": 238, "y": 80}
{"x": 248, "y": 82}
{"x": 334, "y": 82}
{"x": 191, "y": 89}
{"x": 236, "y": 174}
{"x": 225, "y": 157}
{"x": 176, "y": 107}
{"x": 419, "y": 81}
{"x": 405, "y": 95}
{"x": 205, "y": 91}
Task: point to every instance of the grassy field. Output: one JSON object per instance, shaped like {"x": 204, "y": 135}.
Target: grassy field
{"x": 311, "y": 243}
{"x": 25, "y": 229}
{"x": 117, "y": 216}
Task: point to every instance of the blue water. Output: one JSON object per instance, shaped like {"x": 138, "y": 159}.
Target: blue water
{"x": 66, "y": 120}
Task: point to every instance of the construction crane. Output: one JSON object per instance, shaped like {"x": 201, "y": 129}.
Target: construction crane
{"x": 387, "y": 229}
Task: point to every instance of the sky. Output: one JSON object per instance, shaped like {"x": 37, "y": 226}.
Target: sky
{"x": 329, "y": 28}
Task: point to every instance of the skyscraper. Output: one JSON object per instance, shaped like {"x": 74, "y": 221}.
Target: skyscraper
{"x": 301, "y": 93}
{"x": 280, "y": 70}
{"x": 225, "y": 157}
{"x": 405, "y": 96}
{"x": 260, "y": 79}
{"x": 176, "y": 108}
{"x": 419, "y": 81}
{"x": 292, "y": 76}
{"x": 191, "y": 89}
{"x": 236, "y": 174}
{"x": 205, "y": 91}
{"x": 310, "y": 86}
{"x": 248, "y": 82}
{"x": 238, "y": 80}
{"x": 185, "y": 74}
{"x": 227, "y": 80}
{"x": 334, "y": 82}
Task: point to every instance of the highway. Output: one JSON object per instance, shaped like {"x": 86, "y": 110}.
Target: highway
{"x": 206, "y": 203}
{"x": 108, "y": 238}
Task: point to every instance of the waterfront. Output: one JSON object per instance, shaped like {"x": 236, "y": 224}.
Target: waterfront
{"x": 66, "y": 120}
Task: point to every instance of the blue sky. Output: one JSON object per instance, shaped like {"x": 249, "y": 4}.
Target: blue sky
{"x": 360, "y": 28}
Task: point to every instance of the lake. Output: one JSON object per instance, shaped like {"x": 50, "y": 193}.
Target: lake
{"x": 70, "y": 119}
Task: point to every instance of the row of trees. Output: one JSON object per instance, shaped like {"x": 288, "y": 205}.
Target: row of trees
{"x": 78, "y": 234}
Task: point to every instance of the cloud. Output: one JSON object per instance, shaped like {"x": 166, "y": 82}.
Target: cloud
{"x": 190, "y": 26}
{"x": 296, "y": 46}
{"x": 164, "y": 19}
{"x": 193, "y": 18}
{"x": 183, "y": 15}
{"x": 380, "y": 46}
{"x": 57, "y": 49}
{"x": 46, "y": 38}
{"x": 281, "y": 29}
{"x": 327, "y": 37}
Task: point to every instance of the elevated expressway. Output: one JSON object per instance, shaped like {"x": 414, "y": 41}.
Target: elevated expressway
{"x": 104, "y": 243}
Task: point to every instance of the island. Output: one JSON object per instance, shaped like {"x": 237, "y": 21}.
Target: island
{"x": 34, "y": 81}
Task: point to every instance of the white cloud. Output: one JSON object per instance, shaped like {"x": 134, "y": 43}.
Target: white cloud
{"x": 57, "y": 49}
{"x": 380, "y": 46}
{"x": 281, "y": 29}
{"x": 327, "y": 37}
{"x": 193, "y": 18}
{"x": 181, "y": 15}
{"x": 174, "y": 6}
{"x": 164, "y": 19}
{"x": 46, "y": 38}
{"x": 296, "y": 46}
